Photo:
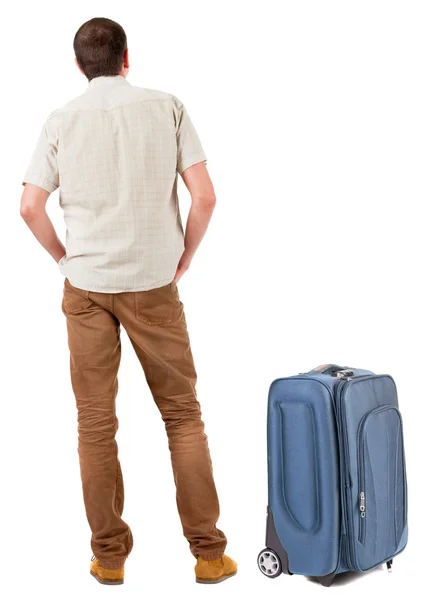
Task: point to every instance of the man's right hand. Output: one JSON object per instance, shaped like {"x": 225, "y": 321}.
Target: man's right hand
{"x": 183, "y": 266}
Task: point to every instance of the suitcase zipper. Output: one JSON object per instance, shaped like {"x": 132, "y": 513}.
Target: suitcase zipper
{"x": 347, "y": 509}
{"x": 344, "y": 484}
{"x": 361, "y": 524}
{"x": 361, "y": 483}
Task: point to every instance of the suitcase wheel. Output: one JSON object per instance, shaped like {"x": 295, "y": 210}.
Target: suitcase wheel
{"x": 269, "y": 563}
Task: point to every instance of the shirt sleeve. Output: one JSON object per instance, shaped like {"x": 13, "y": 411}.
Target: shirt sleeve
{"x": 43, "y": 168}
{"x": 189, "y": 148}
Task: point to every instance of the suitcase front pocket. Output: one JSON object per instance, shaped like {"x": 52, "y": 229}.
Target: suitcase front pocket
{"x": 381, "y": 483}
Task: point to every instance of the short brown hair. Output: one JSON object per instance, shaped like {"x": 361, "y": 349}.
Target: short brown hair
{"x": 99, "y": 46}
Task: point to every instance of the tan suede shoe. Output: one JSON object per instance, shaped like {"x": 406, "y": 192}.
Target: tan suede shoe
{"x": 106, "y": 576}
{"x": 215, "y": 571}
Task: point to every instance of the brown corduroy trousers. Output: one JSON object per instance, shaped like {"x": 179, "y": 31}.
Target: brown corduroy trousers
{"x": 155, "y": 323}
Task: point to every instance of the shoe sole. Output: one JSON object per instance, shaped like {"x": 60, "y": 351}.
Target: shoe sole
{"x": 216, "y": 580}
{"x": 107, "y": 581}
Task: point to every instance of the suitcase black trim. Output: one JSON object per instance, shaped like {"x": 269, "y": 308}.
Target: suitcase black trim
{"x": 272, "y": 542}
{"x": 327, "y": 580}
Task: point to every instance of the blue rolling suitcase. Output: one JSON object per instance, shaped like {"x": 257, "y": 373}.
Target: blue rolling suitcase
{"x": 336, "y": 471}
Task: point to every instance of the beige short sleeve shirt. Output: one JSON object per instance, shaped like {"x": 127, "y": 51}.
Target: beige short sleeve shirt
{"x": 115, "y": 153}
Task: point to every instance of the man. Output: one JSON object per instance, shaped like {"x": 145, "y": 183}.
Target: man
{"x": 115, "y": 152}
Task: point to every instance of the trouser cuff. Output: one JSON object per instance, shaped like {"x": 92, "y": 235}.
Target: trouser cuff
{"x": 111, "y": 565}
{"x": 210, "y": 555}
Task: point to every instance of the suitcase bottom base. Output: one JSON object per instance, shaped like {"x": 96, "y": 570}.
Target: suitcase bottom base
{"x": 273, "y": 560}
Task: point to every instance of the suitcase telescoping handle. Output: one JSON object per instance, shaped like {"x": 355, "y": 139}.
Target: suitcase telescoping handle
{"x": 333, "y": 370}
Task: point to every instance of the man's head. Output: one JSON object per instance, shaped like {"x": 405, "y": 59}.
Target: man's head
{"x": 101, "y": 48}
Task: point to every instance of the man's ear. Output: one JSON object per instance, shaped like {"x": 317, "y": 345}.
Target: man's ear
{"x": 126, "y": 63}
{"x": 77, "y": 64}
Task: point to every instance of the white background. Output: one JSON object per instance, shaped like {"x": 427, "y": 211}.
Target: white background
{"x": 315, "y": 120}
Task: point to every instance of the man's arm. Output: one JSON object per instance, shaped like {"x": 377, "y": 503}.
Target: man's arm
{"x": 33, "y": 211}
{"x": 203, "y": 200}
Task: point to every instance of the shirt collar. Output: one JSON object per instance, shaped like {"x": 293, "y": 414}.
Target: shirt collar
{"x": 107, "y": 80}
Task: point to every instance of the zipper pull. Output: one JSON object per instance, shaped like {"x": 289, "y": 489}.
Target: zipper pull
{"x": 362, "y": 505}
